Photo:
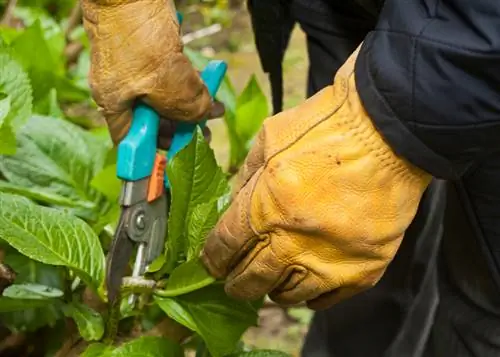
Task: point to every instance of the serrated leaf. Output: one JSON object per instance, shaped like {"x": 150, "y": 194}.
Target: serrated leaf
{"x": 15, "y": 85}
{"x": 32, "y": 291}
{"x": 147, "y": 346}
{"x": 186, "y": 278}
{"x": 251, "y": 110}
{"x": 97, "y": 350}
{"x": 195, "y": 178}
{"x": 8, "y": 142}
{"x": 4, "y": 106}
{"x": 54, "y": 164}
{"x": 52, "y": 237}
{"x": 8, "y": 304}
{"x": 203, "y": 218}
{"x": 14, "y": 82}
{"x": 217, "y": 318}
{"x": 8, "y": 138}
{"x": 89, "y": 322}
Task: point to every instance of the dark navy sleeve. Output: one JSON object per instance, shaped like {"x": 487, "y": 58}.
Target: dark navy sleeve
{"x": 429, "y": 77}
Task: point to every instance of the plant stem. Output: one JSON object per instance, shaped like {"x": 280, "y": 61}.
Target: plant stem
{"x": 74, "y": 19}
{"x": 113, "y": 320}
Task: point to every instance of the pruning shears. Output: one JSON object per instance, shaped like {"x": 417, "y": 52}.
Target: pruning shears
{"x": 144, "y": 198}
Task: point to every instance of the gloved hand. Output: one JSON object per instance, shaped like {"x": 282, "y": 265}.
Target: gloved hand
{"x": 320, "y": 206}
{"x": 136, "y": 52}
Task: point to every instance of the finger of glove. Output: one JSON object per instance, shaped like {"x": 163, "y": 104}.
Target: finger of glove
{"x": 179, "y": 92}
{"x": 260, "y": 272}
{"x": 118, "y": 124}
{"x": 232, "y": 237}
{"x": 301, "y": 286}
{"x": 332, "y": 298}
{"x": 346, "y": 288}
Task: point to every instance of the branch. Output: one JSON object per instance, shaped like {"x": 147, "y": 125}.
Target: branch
{"x": 74, "y": 19}
{"x": 12, "y": 341}
{"x": 72, "y": 52}
{"x": 9, "y": 10}
{"x": 204, "y": 32}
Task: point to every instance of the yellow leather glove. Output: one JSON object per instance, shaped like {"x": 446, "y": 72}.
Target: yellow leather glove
{"x": 320, "y": 207}
{"x": 136, "y": 51}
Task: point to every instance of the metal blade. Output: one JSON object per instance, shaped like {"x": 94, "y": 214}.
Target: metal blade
{"x": 118, "y": 257}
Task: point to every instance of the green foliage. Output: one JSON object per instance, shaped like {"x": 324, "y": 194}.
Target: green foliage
{"x": 195, "y": 179}
{"x": 90, "y": 323}
{"x": 15, "y": 99}
{"x": 52, "y": 237}
{"x": 59, "y": 204}
{"x": 212, "y": 314}
{"x": 244, "y": 115}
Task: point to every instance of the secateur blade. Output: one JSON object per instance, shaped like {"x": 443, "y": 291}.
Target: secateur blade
{"x": 119, "y": 254}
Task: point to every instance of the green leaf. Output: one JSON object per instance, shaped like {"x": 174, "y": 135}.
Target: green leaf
{"x": 41, "y": 72}
{"x": 251, "y": 110}
{"x": 52, "y": 237}
{"x": 29, "y": 271}
{"x": 147, "y": 346}
{"x": 203, "y": 218}
{"x": 9, "y": 34}
{"x": 52, "y": 32}
{"x": 261, "y": 353}
{"x": 16, "y": 99}
{"x": 218, "y": 319}
{"x": 49, "y": 105}
{"x": 8, "y": 304}
{"x": 195, "y": 178}
{"x": 81, "y": 71}
{"x": 47, "y": 73}
{"x": 187, "y": 277}
{"x": 90, "y": 323}
{"x": 54, "y": 164}
{"x": 106, "y": 182}
{"x": 32, "y": 291}
{"x": 8, "y": 142}
{"x": 4, "y": 106}
{"x": 97, "y": 350}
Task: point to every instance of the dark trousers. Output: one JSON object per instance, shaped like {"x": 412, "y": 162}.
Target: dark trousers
{"x": 437, "y": 298}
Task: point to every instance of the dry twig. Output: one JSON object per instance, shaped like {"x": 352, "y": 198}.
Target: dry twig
{"x": 9, "y": 11}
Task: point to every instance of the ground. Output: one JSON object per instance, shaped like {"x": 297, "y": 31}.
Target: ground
{"x": 275, "y": 329}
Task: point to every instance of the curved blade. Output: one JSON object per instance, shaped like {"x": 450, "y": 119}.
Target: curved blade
{"x": 118, "y": 257}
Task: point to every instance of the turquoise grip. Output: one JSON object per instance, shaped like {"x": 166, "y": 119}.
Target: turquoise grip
{"x": 212, "y": 75}
{"x": 137, "y": 151}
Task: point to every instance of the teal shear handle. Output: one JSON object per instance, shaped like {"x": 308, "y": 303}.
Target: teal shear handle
{"x": 137, "y": 151}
